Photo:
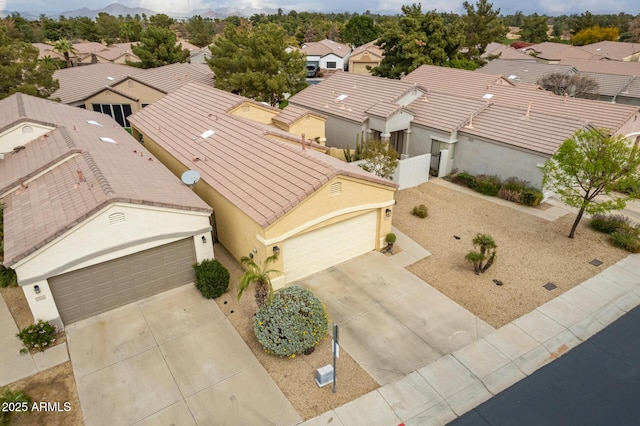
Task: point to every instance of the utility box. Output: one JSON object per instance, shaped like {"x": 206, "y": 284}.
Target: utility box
{"x": 324, "y": 375}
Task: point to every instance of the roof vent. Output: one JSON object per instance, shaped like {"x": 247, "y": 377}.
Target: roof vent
{"x": 106, "y": 139}
{"x": 487, "y": 96}
{"x": 116, "y": 218}
{"x": 512, "y": 77}
{"x": 27, "y": 129}
{"x": 341, "y": 98}
{"x": 94, "y": 123}
{"x": 110, "y": 78}
{"x": 336, "y": 188}
{"x": 207, "y": 133}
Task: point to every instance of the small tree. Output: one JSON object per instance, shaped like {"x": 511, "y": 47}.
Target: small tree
{"x": 576, "y": 86}
{"x": 65, "y": 48}
{"x": 379, "y": 158}
{"x": 212, "y": 278}
{"x": 158, "y": 47}
{"x": 484, "y": 254}
{"x": 589, "y": 164}
{"x": 258, "y": 274}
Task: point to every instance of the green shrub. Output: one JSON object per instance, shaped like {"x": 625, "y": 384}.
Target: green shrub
{"x": 626, "y": 238}
{"x": 293, "y": 322}
{"x": 463, "y": 179}
{"x": 627, "y": 186}
{"x": 212, "y": 278}
{"x": 11, "y": 402}
{"x": 513, "y": 195}
{"x": 515, "y": 184}
{"x": 609, "y": 223}
{"x": 487, "y": 184}
{"x": 421, "y": 211}
{"x": 8, "y": 277}
{"x": 38, "y": 336}
{"x": 390, "y": 238}
{"x": 531, "y": 196}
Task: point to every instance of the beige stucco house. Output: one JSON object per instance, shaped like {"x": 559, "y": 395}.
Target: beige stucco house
{"x": 270, "y": 193}
{"x": 365, "y": 57}
{"x": 91, "y": 220}
{"x": 120, "y": 90}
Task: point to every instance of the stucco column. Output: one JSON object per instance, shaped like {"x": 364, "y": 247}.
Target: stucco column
{"x": 385, "y": 137}
{"x": 368, "y": 135}
{"x": 407, "y": 141}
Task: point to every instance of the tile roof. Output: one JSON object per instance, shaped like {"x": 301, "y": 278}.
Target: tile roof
{"x": 504, "y": 51}
{"x": 445, "y": 112}
{"x": 293, "y": 113}
{"x": 383, "y": 109}
{"x": 56, "y": 198}
{"x": 455, "y": 81}
{"x": 262, "y": 176}
{"x": 362, "y": 92}
{"x": 556, "y": 51}
{"x": 531, "y": 130}
{"x": 369, "y": 47}
{"x": 528, "y": 72}
{"x": 604, "y": 66}
{"x": 615, "y": 50}
{"x": 478, "y": 86}
{"x": 47, "y": 50}
{"x": 78, "y": 83}
{"x": 325, "y": 47}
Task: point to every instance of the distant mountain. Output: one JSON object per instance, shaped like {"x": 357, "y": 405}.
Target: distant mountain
{"x": 114, "y": 9}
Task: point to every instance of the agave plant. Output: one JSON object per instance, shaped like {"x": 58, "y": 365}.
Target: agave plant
{"x": 258, "y": 274}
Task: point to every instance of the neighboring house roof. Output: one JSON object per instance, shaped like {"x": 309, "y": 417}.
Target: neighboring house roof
{"x": 604, "y": 66}
{"x": 349, "y": 96}
{"x": 115, "y": 51}
{"x": 444, "y": 111}
{"x": 293, "y": 113}
{"x": 525, "y": 129}
{"x": 608, "y": 84}
{"x": 88, "y": 47}
{"x": 325, "y": 47}
{"x": 78, "y": 83}
{"x": 261, "y": 175}
{"x": 615, "y": 50}
{"x": 529, "y": 72}
{"x": 504, "y": 51}
{"x": 47, "y": 50}
{"x": 455, "y": 81}
{"x": 371, "y": 48}
{"x": 557, "y": 51}
{"x": 476, "y": 85}
{"x": 70, "y": 173}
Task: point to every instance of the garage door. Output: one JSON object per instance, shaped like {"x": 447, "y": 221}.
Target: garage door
{"x": 89, "y": 291}
{"x": 317, "y": 250}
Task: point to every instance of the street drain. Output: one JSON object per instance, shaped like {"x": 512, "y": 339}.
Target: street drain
{"x": 550, "y": 286}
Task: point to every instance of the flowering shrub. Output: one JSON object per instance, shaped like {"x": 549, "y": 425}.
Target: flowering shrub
{"x": 293, "y": 322}
{"x": 38, "y": 336}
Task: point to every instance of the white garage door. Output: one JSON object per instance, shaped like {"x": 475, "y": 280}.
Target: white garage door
{"x": 328, "y": 246}
{"x": 89, "y": 291}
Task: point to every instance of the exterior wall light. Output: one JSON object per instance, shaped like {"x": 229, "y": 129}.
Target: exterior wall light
{"x": 204, "y": 240}
{"x": 276, "y": 250}
{"x": 387, "y": 212}
{"x": 36, "y": 288}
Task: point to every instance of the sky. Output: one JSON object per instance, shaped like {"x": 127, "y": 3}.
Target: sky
{"x": 549, "y": 7}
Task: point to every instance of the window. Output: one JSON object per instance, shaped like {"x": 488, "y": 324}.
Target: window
{"x": 331, "y": 65}
{"x": 118, "y": 112}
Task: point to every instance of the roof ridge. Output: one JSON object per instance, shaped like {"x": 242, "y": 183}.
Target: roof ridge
{"x": 100, "y": 177}
{"x": 21, "y": 110}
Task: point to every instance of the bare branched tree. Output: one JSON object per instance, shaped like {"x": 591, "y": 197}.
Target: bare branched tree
{"x": 576, "y": 86}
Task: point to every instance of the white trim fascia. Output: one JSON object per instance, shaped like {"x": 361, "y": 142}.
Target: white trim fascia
{"x": 321, "y": 219}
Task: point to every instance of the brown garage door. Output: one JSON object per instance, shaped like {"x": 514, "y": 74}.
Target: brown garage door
{"x": 99, "y": 288}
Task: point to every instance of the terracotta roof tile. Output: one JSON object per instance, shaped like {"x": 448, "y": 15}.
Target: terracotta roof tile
{"x": 557, "y": 51}
{"x": 293, "y": 113}
{"x": 325, "y": 47}
{"x": 604, "y": 66}
{"x": 349, "y": 96}
{"x": 615, "y": 50}
{"x": 261, "y": 175}
{"x": 124, "y": 171}
{"x": 445, "y": 112}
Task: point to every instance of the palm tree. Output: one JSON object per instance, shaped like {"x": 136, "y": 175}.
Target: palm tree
{"x": 64, "y": 47}
{"x": 258, "y": 274}
{"x": 487, "y": 252}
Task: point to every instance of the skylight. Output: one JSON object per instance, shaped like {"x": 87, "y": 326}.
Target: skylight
{"x": 207, "y": 133}
{"x": 106, "y": 139}
{"x": 94, "y": 123}
{"x": 512, "y": 77}
{"x": 341, "y": 98}
{"x": 487, "y": 96}
{"x": 110, "y": 78}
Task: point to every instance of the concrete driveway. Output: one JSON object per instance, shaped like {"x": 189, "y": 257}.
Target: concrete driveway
{"x": 171, "y": 359}
{"x": 391, "y": 322}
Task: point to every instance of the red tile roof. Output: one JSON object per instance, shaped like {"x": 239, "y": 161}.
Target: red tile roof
{"x": 56, "y": 198}
{"x": 261, "y": 175}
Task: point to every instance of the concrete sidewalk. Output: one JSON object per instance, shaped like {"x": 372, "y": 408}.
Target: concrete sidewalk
{"x": 14, "y": 365}
{"x": 458, "y": 382}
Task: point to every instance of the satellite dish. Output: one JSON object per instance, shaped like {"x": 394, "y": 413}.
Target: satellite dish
{"x": 190, "y": 177}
